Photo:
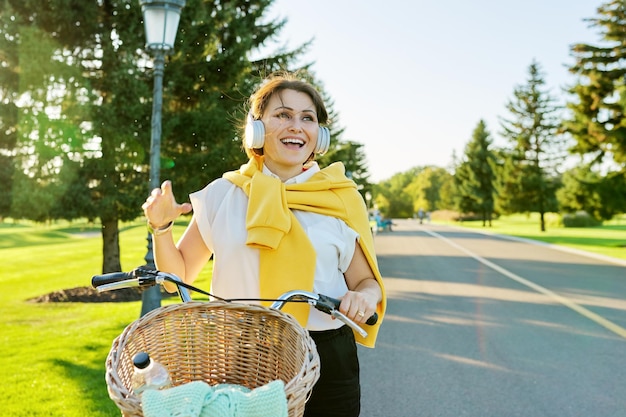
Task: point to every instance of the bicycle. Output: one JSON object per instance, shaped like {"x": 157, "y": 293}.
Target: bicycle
{"x": 222, "y": 341}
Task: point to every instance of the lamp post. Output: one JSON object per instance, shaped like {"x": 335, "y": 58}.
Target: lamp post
{"x": 160, "y": 19}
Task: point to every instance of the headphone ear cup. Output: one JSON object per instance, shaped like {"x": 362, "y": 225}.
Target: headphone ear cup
{"x": 254, "y": 134}
{"x": 323, "y": 141}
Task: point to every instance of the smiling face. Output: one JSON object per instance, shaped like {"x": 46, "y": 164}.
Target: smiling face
{"x": 291, "y": 129}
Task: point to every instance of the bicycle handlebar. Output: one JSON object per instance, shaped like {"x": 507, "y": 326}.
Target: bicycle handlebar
{"x": 147, "y": 277}
{"x": 99, "y": 280}
{"x": 142, "y": 277}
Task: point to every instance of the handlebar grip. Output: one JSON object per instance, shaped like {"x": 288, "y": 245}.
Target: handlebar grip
{"x": 98, "y": 280}
{"x": 373, "y": 319}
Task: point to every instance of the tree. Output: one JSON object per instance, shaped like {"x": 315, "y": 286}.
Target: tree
{"x": 425, "y": 189}
{"x": 598, "y": 110}
{"x": 46, "y": 128}
{"x": 584, "y": 190}
{"x": 9, "y": 92}
{"x": 353, "y": 157}
{"x": 207, "y": 82}
{"x": 350, "y": 152}
{"x": 92, "y": 54}
{"x": 447, "y": 191}
{"x": 528, "y": 176}
{"x": 84, "y": 141}
{"x": 88, "y": 110}
{"x": 81, "y": 94}
{"x": 474, "y": 177}
{"x": 391, "y": 196}
{"x": 428, "y": 188}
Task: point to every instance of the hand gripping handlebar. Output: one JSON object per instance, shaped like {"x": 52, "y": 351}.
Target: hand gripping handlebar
{"x": 146, "y": 277}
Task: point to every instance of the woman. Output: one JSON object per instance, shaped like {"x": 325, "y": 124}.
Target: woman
{"x": 280, "y": 223}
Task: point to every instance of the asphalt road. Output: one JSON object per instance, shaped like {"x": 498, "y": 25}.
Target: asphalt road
{"x": 484, "y": 326}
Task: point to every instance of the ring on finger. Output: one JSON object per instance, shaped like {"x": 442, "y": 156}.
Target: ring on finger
{"x": 360, "y": 314}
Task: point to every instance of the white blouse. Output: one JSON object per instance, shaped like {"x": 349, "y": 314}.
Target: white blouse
{"x": 220, "y": 211}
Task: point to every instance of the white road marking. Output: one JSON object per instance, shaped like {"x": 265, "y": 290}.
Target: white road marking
{"x": 607, "y": 324}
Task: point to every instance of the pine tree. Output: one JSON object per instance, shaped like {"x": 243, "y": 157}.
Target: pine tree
{"x": 474, "y": 176}
{"x": 598, "y": 111}
{"x": 528, "y": 176}
{"x": 93, "y": 53}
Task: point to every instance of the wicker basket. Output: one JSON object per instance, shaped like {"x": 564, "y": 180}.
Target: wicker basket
{"x": 217, "y": 343}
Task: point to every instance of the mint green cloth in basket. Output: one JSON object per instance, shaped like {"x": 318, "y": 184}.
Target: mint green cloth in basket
{"x": 199, "y": 399}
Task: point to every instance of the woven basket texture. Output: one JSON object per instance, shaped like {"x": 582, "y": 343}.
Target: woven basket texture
{"x": 218, "y": 343}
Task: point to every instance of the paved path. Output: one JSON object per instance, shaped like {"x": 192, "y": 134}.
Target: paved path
{"x": 483, "y": 326}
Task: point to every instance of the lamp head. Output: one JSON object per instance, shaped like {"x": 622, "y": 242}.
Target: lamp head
{"x": 160, "y": 19}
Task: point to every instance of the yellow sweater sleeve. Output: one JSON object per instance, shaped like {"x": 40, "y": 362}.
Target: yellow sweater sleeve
{"x": 355, "y": 207}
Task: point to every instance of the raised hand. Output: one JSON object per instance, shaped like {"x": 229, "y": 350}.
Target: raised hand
{"x": 161, "y": 207}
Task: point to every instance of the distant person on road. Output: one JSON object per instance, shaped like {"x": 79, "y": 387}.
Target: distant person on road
{"x": 420, "y": 215}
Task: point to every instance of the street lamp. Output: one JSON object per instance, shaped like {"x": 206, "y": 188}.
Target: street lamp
{"x": 160, "y": 19}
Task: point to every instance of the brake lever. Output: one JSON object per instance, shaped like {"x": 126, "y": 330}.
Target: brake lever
{"x": 340, "y": 316}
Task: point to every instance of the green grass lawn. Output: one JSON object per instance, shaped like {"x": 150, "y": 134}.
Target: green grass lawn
{"x": 607, "y": 240}
{"x": 52, "y": 355}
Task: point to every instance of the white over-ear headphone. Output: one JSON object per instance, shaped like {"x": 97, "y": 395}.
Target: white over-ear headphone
{"x": 255, "y": 136}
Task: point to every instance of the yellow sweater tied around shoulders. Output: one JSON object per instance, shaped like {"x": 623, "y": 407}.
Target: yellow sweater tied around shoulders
{"x": 287, "y": 257}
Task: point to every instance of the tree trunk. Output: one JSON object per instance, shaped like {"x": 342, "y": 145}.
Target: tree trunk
{"x": 110, "y": 246}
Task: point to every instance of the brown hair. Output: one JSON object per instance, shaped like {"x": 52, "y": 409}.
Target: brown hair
{"x": 274, "y": 84}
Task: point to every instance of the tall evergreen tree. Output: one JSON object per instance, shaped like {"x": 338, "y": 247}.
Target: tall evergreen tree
{"x": 528, "y": 178}
{"x": 207, "y": 82}
{"x": 598, "y": 109}
{"x": 474, "y": 177}
{"x": 94, "y": 52}
{"x": 353, "y": 157}
{"x": 572, "y": 197}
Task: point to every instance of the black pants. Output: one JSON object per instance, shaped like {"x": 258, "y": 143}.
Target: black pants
{"x": 338, "y": 392}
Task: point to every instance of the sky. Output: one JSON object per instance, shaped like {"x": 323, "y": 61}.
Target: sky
{"x": 411, "y": 79}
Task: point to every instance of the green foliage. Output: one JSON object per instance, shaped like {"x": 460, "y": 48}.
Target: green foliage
{"x": 85, "y": 128}
{"x": 599, "y": 124}
{"x": 33, "y": 202}
{"x": 391, "y": 197}
{"x": 9, "y": 83}
{"x": 425, "y": 189}
{"x": 585, "y": 190}
{"x": 598, "y": 116}
{"x": 6, "y": 185}
{"x": 207, "y": 82}
{"x": 474, "y": 176}
{"x": 528, "y": 169}
{"x": 429, "y": 188}
{"x": 579, "y": 193}
{"x": 579, "y": 219}
{"x": 446, "y": 191}
{"x": 353, "y": 157}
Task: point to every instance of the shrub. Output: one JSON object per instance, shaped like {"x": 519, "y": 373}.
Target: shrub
{"x": 553, "y": 219}
{"x": 580, "y": 219}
